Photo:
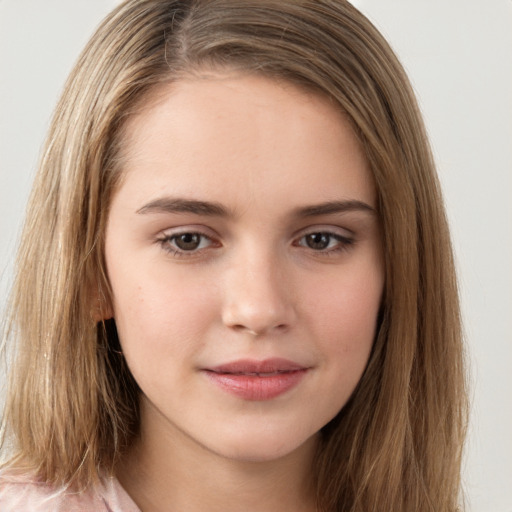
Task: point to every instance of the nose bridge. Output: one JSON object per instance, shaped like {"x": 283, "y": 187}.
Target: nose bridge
{"x": 257, "y": 294}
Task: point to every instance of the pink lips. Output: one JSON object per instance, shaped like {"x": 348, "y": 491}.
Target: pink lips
{"x": 257, "y": 380}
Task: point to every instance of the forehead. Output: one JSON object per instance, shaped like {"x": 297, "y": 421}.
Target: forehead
{"x": 225, "y": 135}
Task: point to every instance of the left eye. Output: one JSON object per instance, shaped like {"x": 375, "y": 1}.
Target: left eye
{"x": 187, "y": 242}
{"x": 322, "y": 241}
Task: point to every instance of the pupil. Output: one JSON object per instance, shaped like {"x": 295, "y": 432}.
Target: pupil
{"x": 318, "y": 241}
{"x": 188, "y": 241}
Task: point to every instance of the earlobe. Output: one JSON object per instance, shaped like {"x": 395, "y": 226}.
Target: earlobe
{"x": 101, "y": 313}
{"x": 101, "y": 305}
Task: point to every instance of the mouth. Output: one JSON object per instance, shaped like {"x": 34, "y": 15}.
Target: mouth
{"x": 257, "y": 380}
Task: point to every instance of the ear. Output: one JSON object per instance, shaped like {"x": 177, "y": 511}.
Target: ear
{"x": 100, "y": 303}
{"x": 101, "y": 312}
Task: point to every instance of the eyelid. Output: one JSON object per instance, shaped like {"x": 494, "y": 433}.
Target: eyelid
{"x": 325, "y": 228}
{"x": 189, "y": 228}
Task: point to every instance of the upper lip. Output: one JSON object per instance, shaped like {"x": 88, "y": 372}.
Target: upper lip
{"x": 249, "y": 366}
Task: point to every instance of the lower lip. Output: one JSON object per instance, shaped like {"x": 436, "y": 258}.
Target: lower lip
{"x": 254, "y": 387}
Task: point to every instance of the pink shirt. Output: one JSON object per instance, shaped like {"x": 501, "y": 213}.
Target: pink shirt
{"x": 20, "y": 495}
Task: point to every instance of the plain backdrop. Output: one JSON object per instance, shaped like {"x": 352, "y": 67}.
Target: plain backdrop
{"x": 459, "y": 56}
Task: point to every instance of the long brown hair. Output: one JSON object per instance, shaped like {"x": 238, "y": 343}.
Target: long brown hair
{"x": 72, "y": 405}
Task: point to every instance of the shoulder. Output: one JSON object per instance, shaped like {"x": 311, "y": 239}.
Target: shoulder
{"x": 19, "y": 494}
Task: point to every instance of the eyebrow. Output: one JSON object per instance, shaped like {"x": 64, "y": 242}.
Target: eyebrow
{"x": 215, "y": 209}
{"x": 332, "y": 207}
{"x": 178, "y": 205}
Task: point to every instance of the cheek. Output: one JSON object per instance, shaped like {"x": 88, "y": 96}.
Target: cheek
{"x": 347, "y": 318}
{"x": 166, "y": 313}
{"x": 161, "y": 330}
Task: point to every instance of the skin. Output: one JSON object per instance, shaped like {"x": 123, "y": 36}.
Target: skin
{"x": 255, "y": 287}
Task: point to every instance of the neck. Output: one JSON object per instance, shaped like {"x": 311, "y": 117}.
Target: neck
{"x": 164, "y": 472}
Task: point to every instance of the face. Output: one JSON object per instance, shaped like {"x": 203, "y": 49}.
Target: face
{"x": 243, "y": 253}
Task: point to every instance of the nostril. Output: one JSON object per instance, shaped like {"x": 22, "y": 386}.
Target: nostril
{"x": 258, "y": 331}
{"x": 248, "y": 330}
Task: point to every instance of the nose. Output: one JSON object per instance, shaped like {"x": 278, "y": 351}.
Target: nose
{"x": 258, "y": 297}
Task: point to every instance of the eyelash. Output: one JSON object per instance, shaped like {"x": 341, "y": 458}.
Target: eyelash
{"x": 344, "y": 243}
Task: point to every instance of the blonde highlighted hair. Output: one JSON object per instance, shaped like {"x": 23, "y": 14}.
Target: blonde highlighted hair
{"x": 72, "y": 405}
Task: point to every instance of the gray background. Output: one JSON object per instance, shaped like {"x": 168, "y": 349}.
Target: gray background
{"x": 458, "y": 55}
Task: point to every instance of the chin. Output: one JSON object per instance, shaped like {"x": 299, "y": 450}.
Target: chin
{"x": 265, "y": 446}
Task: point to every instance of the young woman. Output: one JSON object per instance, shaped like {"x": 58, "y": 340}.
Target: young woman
{"x": 235, "y": 286}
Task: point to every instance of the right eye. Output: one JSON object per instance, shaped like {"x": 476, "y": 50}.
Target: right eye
{"x": 185, "y": 242}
